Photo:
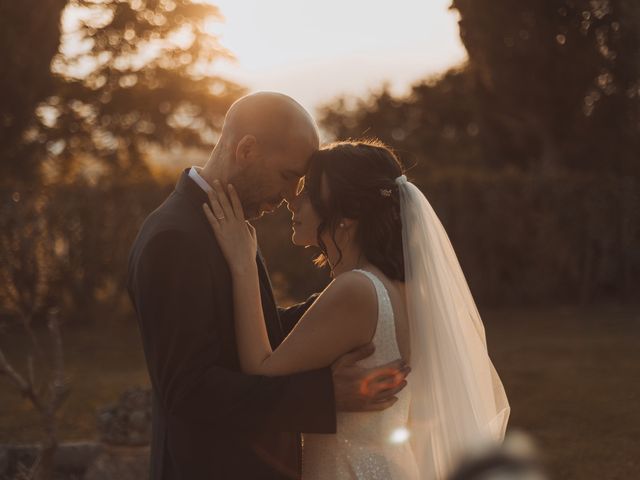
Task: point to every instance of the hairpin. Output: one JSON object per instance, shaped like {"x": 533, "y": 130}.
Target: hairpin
{"x": 385, "y": 192}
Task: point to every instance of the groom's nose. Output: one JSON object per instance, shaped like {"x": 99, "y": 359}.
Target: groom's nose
{"x": 292, "y": 204}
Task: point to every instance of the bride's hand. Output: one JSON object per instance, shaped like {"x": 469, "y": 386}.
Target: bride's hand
{"x": 236, "y": 236}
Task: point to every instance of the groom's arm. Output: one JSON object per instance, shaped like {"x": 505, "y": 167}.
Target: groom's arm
{"x": 290, "y": 316}
{"x": 181, "y": 318}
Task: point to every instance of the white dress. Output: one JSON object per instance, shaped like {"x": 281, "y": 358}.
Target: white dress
{"x": 367, "y": 445}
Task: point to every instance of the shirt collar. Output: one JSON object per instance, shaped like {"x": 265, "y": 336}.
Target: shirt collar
{"x": 202, "y": 183}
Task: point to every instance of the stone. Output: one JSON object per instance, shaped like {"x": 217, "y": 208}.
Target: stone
{"x": 125, "y": 434}
{"x": 122, "y": 463}
{"x": 129, "y": 421}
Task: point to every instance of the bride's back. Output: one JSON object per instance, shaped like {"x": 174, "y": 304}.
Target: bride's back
{"x": 370, "y": 444}
{"x": 396, "y": 291}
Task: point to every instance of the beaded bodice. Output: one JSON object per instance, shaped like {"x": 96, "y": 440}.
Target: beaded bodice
{"x": 367, "y": 445}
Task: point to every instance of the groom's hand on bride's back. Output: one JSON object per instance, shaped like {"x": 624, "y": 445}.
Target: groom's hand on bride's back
{"x": 361, "y": 389}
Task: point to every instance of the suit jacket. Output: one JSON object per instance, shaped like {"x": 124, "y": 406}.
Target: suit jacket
{"x": 211, "y": 421}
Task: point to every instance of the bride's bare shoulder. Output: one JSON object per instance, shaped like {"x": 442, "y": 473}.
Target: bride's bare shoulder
{"x": 351, "y": 296}
{"x": 353, "y": 284}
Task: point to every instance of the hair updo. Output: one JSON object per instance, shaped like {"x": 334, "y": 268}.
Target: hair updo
{"x": 360, "y": 176}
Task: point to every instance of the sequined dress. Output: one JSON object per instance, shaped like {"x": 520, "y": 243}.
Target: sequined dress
{"x": 367, "y": 445}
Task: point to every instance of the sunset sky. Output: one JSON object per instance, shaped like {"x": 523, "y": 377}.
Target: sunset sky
{"x": 314, "y": 51}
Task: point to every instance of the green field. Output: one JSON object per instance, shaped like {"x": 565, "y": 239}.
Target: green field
{"x": 572, "y": 376}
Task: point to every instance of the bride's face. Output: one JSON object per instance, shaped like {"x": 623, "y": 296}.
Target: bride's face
{"x": 304, "y": 220}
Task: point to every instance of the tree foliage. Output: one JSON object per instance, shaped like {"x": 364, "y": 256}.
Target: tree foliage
{"x": 548, "y": 86}
{"x": 127, "y": 76}
{"x": 529, "y": 150}
{"x": 26, "y": 78}
{"x": 565, "y": 75}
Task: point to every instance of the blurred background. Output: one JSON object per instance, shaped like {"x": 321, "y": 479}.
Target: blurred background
{"x": 520, "y": 121}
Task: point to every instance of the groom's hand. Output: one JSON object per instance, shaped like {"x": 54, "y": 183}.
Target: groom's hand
{"x": 361, "y": 389}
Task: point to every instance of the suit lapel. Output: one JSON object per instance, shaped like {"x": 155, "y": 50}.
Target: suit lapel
{"x": 196, "y": 196}
{"x": 274, "y": 329}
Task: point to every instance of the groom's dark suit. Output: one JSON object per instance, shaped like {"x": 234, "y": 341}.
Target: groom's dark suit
{"x": 210, "y": 421}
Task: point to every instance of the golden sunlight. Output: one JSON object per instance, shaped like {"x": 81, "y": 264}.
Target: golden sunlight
{"x": 317, "y": 50}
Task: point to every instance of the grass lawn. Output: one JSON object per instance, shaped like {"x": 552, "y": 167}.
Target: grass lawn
{"x": 573, "y": 381}
{"x": 101, "y": 361}
{"x": 572, "y": 376}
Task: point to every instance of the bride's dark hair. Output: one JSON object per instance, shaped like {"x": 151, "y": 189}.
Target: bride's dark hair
{"x": 360, "y": 176}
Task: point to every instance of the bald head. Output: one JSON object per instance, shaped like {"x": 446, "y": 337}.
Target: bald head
{"x": 273, "y": 118}
{"x": 264, "y": 149}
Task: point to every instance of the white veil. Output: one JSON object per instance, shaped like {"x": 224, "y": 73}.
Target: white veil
{"x": 457, "y": 400}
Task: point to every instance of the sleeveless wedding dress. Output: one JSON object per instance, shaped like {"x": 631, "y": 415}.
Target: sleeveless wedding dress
{"x": 455, "y": 396}
{"x": 367, "y": 445}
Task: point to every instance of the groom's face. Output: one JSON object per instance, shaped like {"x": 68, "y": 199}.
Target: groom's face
{"x": 273, "y": 176}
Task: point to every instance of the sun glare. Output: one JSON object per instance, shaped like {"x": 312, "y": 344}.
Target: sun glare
{"x": 317, "y": 50}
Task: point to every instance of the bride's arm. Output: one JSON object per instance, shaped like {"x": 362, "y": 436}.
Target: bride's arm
{"x": 342, "y": 318}
{"x": 251, "y": 332}
{"x": 290, "y": 316}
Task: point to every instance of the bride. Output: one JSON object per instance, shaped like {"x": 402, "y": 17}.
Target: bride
{"x": 396, "y": 283}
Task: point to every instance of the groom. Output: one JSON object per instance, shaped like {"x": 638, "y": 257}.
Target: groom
{"x": 211, "y": 421}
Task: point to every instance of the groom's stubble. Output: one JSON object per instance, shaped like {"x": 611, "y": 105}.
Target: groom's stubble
{"x": 253, "y": 188}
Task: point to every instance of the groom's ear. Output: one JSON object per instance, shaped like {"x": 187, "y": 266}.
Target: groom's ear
{"x": 246, "y": 150}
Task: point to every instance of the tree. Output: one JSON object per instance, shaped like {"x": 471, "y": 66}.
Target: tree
{"x": 565, "y": 74}
{"x": 547, "y": 85}
{"x": 438, "y": 125}
{"x": 26, "y": 79}
{"x": 30, "y": 265}
{"x": 128, "y": 76}
{"x": 529, "y": 150}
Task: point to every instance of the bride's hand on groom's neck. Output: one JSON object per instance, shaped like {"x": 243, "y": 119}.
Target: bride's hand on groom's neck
{"x": 361, "y": 389}
{"x": 236, "y": 237}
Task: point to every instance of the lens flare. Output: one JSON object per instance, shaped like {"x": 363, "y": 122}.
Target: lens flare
{"x": 400, "y": 435}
